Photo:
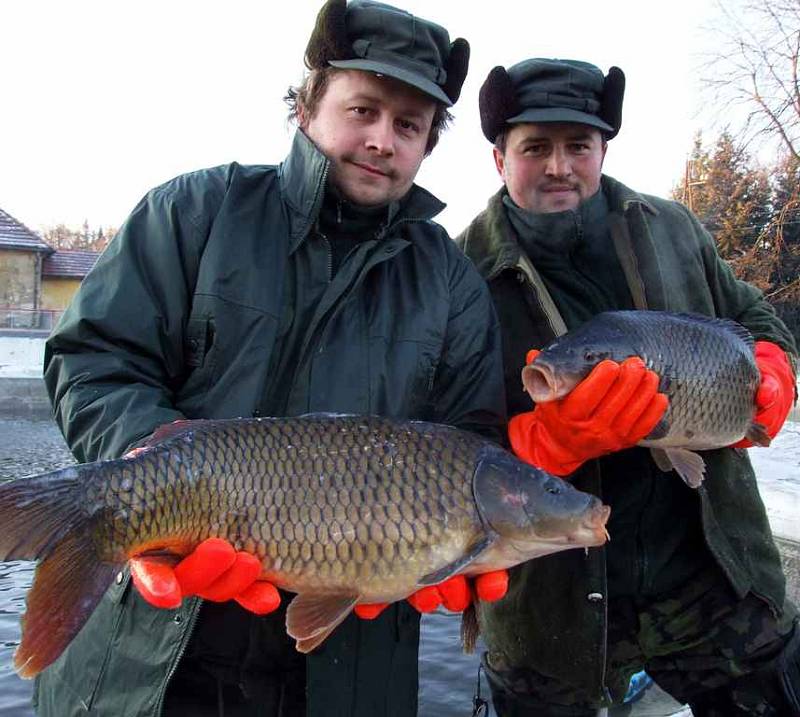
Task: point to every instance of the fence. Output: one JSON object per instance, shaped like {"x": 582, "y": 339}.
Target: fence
{"x": 29, "y": 319}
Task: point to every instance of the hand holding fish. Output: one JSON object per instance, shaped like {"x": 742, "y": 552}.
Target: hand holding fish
{"x": 720, "y": 386}
{"x": 455, "y": 594}
{"x": 216, "y": 571}
{"x": 613, "y": 408}
{"x": 776, "y": 393}
{"x": 213, "y": 571}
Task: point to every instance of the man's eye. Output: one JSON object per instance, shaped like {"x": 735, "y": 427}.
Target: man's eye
{"x": 535, "y": 149}
{"x": 407, "y": 126}
{"x": 360, "y": 110}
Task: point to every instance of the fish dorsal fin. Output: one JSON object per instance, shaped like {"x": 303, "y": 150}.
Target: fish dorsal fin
{"x": 687, "y": 464}
{"x": 728, "y": 325}
{"x": 310, "y": 618}
{"x": 440, "y": 575}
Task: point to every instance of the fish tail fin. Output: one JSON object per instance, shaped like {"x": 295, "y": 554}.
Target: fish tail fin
{"x": 42, "y": 518}
{"x": 470, "y": 629}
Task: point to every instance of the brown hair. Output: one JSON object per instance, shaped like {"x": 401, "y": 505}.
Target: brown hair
{"x": 312, "y": 89}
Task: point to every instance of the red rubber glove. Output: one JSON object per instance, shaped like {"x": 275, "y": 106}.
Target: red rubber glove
{"x": 777, "y": 391}
{"x": 454, "y": 593}
{"x": 613, "y": 408}
{"x": 213, "y": 571}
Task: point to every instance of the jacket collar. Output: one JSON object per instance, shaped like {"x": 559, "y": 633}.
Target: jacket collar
{"x": 302, "y": 177}
{"x": 492, "y": 244}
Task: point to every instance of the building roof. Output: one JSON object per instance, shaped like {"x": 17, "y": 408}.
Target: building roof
{"x": 68, "y": 263}
{"x": 15, "y": 235}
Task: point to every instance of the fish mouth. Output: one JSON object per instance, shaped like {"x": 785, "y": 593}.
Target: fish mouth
{"x": 592, "y": 530}
{"x": 588, "y": 531}
{"x": 543, "y": 384}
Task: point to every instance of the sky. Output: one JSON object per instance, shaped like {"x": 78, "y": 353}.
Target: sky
{"x": 101, "y": 101}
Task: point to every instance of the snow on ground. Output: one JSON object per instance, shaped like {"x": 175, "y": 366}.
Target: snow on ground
{"x": 778, "y": 473}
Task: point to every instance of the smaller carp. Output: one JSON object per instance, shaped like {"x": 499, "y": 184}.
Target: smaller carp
{"x": 707, "y": 370}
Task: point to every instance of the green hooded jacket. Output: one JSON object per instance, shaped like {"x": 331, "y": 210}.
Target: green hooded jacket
{"x": 553, "y": 619}
{"x": 179, "y": 319}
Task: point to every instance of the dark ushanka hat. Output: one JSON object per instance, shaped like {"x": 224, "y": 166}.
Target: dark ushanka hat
{"x": 542, "y": 90}
{"x": 379, "y": 38}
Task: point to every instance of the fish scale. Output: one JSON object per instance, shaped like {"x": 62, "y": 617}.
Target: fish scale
{"x": 291, "y": 464}
{"x": 339, "y": 510}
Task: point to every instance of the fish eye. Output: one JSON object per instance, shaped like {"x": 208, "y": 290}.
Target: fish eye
{"x": 590, "y": 356}
{"x": 553, "y": 488}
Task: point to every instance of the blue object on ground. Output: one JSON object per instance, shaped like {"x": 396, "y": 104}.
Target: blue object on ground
{"x": 639, "y": 683}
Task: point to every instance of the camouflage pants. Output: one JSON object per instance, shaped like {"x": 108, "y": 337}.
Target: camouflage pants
{"x": 700, "y": 644}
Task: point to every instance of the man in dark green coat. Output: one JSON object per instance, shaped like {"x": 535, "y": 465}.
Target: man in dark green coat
{"x": 317, "y": 285}
{"x": 690, "y": 586}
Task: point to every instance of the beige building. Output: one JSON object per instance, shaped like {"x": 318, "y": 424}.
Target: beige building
{"x": 36, "y": 281}
{"x": 62, "y": 273}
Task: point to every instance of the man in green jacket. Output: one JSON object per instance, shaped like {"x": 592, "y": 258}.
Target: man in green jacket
{"x": 690, "y": 586}
{"x": 317, "y": 285}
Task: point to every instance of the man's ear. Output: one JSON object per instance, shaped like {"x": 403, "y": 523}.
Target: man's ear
{"x": 302, "y": 116}
{"x": 499, "y": 162}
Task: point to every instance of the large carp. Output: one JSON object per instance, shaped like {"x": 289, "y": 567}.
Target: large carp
{"x": 340, "y": 510}
{"x": 706, "y": 366}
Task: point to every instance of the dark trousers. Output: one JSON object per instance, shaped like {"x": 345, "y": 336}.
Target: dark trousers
{"x": 701, "y": 644}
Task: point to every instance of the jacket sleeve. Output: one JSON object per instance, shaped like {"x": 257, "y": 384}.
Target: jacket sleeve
{"x": 469, "y": 387}
{"x": 738, "y": 300}
{"x": 117, "y": 355}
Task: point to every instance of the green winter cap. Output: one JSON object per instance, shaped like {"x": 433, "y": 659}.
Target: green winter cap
{"x": 380, "y": 38}
{"x": 547, "y": 90}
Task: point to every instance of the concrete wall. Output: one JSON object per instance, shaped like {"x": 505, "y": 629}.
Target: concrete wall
{"x": 21, "y": 356}
{"x": 18, "y": 279}
{"x": 22, "y": 392}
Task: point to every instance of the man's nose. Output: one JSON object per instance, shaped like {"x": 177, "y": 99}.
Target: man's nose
{"x": 381, "y": 136}
{"x": 558, "y": 164}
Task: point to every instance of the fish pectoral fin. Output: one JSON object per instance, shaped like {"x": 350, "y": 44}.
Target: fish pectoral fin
{"x": 661, "y": 460}
{"x": 440, "y": 575}
{"x": 310, "y": 618}
{"x": 687, "y": 464}
{"x": 757, "y": 435}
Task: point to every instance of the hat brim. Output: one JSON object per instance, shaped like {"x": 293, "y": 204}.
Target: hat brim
{"x": 416, "y": 81}
{"x": 543, "y": 115}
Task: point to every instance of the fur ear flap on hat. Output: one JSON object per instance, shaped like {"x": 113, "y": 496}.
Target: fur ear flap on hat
{"x": 497, "y": 101}
{"x": 456, "y": 66}
{"x": 613, "y": 93}
{"x": 328, "y": 40}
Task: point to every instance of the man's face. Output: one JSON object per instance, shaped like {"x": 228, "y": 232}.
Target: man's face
{"x": 551, "y": 167}
{"x": 374, "y": 130}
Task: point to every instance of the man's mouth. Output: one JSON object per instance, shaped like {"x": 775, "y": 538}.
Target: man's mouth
{"x": 372, "y": 169}
{"x": 556, "y": 188}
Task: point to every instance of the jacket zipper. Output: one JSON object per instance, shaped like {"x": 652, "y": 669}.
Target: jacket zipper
{"x": 181, "y": 650}
{"x": 326, "y": 329}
